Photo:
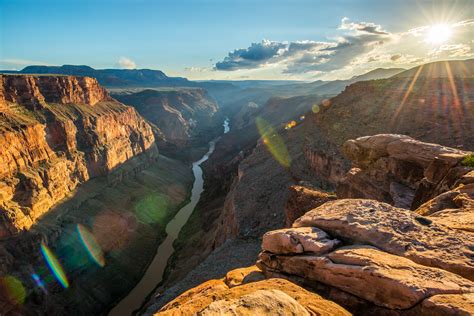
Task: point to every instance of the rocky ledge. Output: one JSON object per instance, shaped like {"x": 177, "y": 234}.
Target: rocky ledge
{"x": 369, "y": 257}
{"x": 400, "y": 170}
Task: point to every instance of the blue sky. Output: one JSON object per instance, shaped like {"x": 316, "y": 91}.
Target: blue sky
{"x": 188, "y": 38}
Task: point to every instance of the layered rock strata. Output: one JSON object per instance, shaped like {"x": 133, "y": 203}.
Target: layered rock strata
{"x": 389, "y": 257}
{"x": 55, "y": 133}
{"x": 400, "y": 170}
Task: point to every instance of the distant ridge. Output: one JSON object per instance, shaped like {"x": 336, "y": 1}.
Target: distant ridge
{"x": 379, "y": 73}
{"x": 112, "y": 77}
{"x": 442, "y": 69}
{"x": 336, "y": 86}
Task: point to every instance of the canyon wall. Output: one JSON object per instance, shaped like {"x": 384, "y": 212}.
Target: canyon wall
{"x": 184, "y": 117}
{"x": 58, "y": 132}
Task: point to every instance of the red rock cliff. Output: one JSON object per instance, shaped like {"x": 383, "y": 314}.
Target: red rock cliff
{"x": 35, "y": 90}
{"x": 55, "y": 133}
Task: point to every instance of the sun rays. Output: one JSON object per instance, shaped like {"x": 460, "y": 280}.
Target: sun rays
{"x": 447, "y": 100}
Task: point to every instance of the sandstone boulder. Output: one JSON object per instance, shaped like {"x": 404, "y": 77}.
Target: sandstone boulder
{"x": 396, "y": 231}
{"x": 381, "y": 278}
{"x": 298, "y": 240}
{"x": 276, "y": 296}
{"x": 261, "y": 302}
{"x": 363, "y": 151}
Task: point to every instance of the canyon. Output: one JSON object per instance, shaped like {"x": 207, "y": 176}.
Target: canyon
{"x": 317, "y": 188}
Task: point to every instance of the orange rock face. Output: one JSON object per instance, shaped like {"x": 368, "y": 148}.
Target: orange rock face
{"x": 273, "y": 296}
{"x": 36, "y": 90}
{"x": 55, "y": 133}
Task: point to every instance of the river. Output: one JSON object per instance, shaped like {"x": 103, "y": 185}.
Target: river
{"x": 154, "y": 273}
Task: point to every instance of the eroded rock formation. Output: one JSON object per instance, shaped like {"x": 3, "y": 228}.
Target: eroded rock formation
{"x": 400, "y": 170}
{"x": 55, "y": 133}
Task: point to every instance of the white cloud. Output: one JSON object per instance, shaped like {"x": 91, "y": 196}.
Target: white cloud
{"x": 126, "y": 63}
{"x": 453, "y": 50}
{"x": 196, "y": 69}
{"x": 357, "y": 47}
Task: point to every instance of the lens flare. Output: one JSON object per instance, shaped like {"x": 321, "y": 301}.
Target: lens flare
{"x": 290, "y": 125}
{"x": 54, "y": 266}
{"x": 38, "y": 281}
{"x": 152, "y": 209}
{"x": 315, "y": 108}
{"x": 273, "y": 141}
{"x": 91, "y": 245}
{"x": 12, "y": 290}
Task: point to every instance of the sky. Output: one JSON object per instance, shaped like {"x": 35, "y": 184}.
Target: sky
{"x": 229, "y": 39}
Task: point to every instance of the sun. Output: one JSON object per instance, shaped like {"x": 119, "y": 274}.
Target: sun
{"x": 438, "y": 34}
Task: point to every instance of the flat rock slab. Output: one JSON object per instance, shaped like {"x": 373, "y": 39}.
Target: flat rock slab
{"x": 386, "y": 280}
{"x": 298, "y": 240}
{"x": 449, "y": 305}
{"x": 396, "y": 231}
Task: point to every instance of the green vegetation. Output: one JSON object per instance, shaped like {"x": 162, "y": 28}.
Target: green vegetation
{"x": 468, "y": 161}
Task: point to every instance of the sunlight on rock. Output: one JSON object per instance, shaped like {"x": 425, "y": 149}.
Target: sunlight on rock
{"x": 12, "y": 291}
{"x": 54, "y": 266}
{"x": 90, "y": 244}
{"x": 273, "y": 142}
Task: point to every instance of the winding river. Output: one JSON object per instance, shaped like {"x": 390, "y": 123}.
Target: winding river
{"x": 154, "y": 273}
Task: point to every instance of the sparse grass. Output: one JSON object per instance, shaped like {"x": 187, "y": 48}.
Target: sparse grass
{"x": 468, "y": 161}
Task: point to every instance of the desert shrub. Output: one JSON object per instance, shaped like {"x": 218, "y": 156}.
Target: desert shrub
{"x": 468, "y": 161}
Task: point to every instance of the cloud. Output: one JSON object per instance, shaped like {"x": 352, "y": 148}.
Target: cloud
{"x": 453, "y": 50}
{"x": 309, "y": 56}
{"x": 126, "y": 63}
{"x": 362, "y": 27}
{"x": 468, "y": 22}
{"x": 252, "y": 57}
{"x": 196, "y": 69}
